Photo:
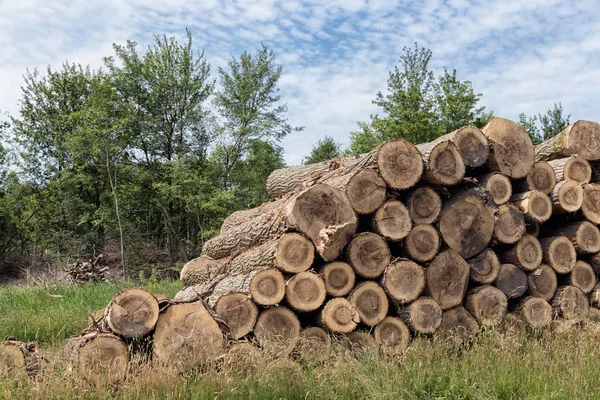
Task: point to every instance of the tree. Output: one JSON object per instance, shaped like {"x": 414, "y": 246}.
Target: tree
{"x": 325, "y": 149}
{"x": 457, "y": 102}
{"x": 529, "y": 124}
{"x": 553, "y": 121}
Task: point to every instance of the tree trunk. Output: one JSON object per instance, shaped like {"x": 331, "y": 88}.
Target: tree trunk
{"x": 392, "y": 335}
{"x": 509, "y": 226}
{"x": 512, "y": 280}
{"x": 447, "y": 277}
{"x": 487, "y": 304}
{"x": 370, "y": 301}
{"x": 266, "y": 286}
{"x": 132, "y": 313}
{"x": 201, "y": 270}
{"x": 526, "y": 254}
{"x": 422, "y": 316}
{"x": 424, "y": 205}
{"x": 339, "y": 278}
{"x": 471, "y": 144}
{"x": 511, "y": 150}
{"x": 584, "y": 235}
{"x": 590, "y": 208}
{"x": 369, "y": 255}
{"x": 239, "y": 313}
{"x": 572, "y": 169}
{"x": 581, "y": 137}
{"x": 467, "y": 221}
{"x": 541, "y": 178}
{"x": 542, "y": 282}
{"x": 339, "y": 316}
{"x": 457, "y": 321}
{"x": 392, "y": 220}
{"x": 366, "y": 191}
{"x": 443, "y": 163}
{"x": 484, "y": 267}
{"x": 277, "y": 331}
{"x": 499, "y": 186}
{"x": 570, "y": 303}
{"x": 535, "y": 205}
{"x": 305, "y": 291}
{"x": 566, "y": 197}
{"x": 536, "y": 312}
{"x": 422, "y": 243}
{"x": 559, "y": 253}
{"x": 243, "y": 216}
{"x": 582, "y": 277}
{"x": 404, "y": 281}
{"x": 113, "y": 187}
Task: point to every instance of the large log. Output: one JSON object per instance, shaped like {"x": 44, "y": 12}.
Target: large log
{"x": 471, "y": 144}
{"x": 559, "y": 253}
{"x": 239, "y": 312}
{"x": 527, "y": 253}
{"x": 535, "y": 205}
{"x": 511, "y": 150}
{"x": 512, "y": 280}
{"x": 277, "y": 331}
{"x": 422, "y": 243}
{"x": 339, "y": 316}
{"x": 443, "y": 163}
{"x": 242, "y": 216}
{"x": 572, "y": 168}
{"x": 570, "y": 303}
{"x": 392, "y": 220}
{"x": 423, "y": 315}
{"x": 305, "y": 291}
{"x": 404, "y": 281}
{"x": 566, "y": 197}
{"x": 590, "y": 208}
{"x": 484, "y": 267}
{"x": 392, "y": 335}
{"x": 536, "y": 312}
{"x": 457, "y": 321}
{"x": 424, "y": 205}
{"x": 266, "y": 286}
{"x": 584, "y": 235}
{"x": 510, "y": 225}
{"x": 582, "y": 276}
{"x": 542, "y": 282}
{"x": 487, "y": 304}
{"x": 499, "y": 186}
{"x": 370, "y": 301}
{"x": 467, "y": 221}
{"x": 339, "y": 278}
{"x": 369, "y": 255}
{"x": 366, "y": 191}
{"x": 200, "y": 270}
{"x": 581, "y": 137}
{"x": 132, "y": 313}
{"x": 541, "y": 178}
{"x": 447, "y": 277}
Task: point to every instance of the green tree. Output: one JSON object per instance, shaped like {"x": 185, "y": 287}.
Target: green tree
{"x": 553, "y": 121}
{"x": 529, "y": 124}
{"x": 457, "y": 102}
{"x": 325, "y": 149}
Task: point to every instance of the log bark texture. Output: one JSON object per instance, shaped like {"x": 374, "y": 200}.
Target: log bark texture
{"x": 266, "y": 286}
{"x": 572, "y": 169}
{"x": 201, "y": 270}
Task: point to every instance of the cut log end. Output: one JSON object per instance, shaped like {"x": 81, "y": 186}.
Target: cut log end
{"x": 294, "y": 253}
{"x": 472, "y": 145}
{"x": 400, "y": 164}
{"x": 339, "y": 278}
{"x": 404, "y": 281}
{"x": 512, "y": 281}
{"x": 370, "y": 301}
{"x": 510, "y": 225}
{"x": 339, "y": 316}
{"x": 484, "y": 267}
{"x": 575, "y": 169}
{"x": 542, "y": 282}
{"x": 422, "y": 243}
{"x": 239, "y": 313}
{"x": 559, "y": 253}
{"x": 445, "y": 165}
{"x": 457, "y": 321}
{"x": 366, "y": 191}
{"x": 267, "y": 287}
{"x": 392, "y": 334}
{"x": 12, "y": 361}
{"x": 536, "y": 312}
{"x": 527, "y": 253}
{"x": 424, "y": 205}
{"x": 584, "y": 139}
{"x": 105, "y": 357}
{"x": 487, "y": 304}
{"x": 499, "y": 186}
{"x": 590, "y": 207}
{"x": 512, "y": 151}
{"x": 541, "y": 178}
{"x": 447, "y": 277}
{"x": 423, "y": 316}
{"x": 583, "y": 277}
{"x": 392, "y": 220}
{"x": 567, "y": 196}
{"x": 369, "y": 255}
{"x": 534, "y": 205}
{"x": 570, "y": 303}
{"x": 277, "y": 330}
{"x": 133, "y": 313}
{"x": 305, "y": 291}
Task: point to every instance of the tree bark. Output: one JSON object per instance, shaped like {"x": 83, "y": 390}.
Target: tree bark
{"x": 447, "y": 277}
{"x": 370, "y": 301}
{"x": 403, "y": 281}
{"x": 369, "y": 255}
{"x": 526, "y": 254}
{"x": 201, "y": 270}
{"x": 471, "y": 144}
{"x": 572, "y": 169}
{"x": 243, "y": 216}
{"x": 559, "y": 253}
{"x": 239, "y": 313}
{"x": 277, "y": 331}
{"x": 422, "y": 243}
{"x": 535, "y": 205}
{"x": 392, "y": 335}
{"x": 582, "y": 276}
{"x": 541, "y": 178}
{"x": 584, "y": 235}
{"x": 512, "y": 280}
{"x": 581, "y": 137}
{"x": 570, "y": 303}
{"x": 542, "y": 282}
{"x": 423, "y": 315}
{"x": 487, "y": 304}
{"x": 339, "y": 278}
{"x": 511, "y": 150}
{"x": 339, "y": 316}
{"x": 510, "y": 225}
{"x": 392, "y": 220}
{"x": 499, "y": 186}
{"x": 443, "y": 163}
{"x": 424, "y": 205}
{"x": 132, "y": 313}
{"x": 536, "y": 312}
{"x": 566, "y": 197}
{"x": 305, "y": 291}
{"x": 457, "y": 321}
{"x": 484, "y": 267}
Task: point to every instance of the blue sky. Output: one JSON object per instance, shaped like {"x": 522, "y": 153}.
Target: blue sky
{"x": 521, "y": 55}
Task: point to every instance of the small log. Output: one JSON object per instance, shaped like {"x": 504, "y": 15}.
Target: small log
{"x": 526, "y": 254}
{"x": 542, "y": 282}
{"x": 457, "y": 321}
{"x": 392, "y": 335}
{"x": 512, "y": 280}
{"x": 594, "y": 296}
{"x": 201, "y": 270}
{"x": 467, "y": 221}
{"x": 487, "y": 304}
{"x": 132, "y": 313}
{"x": 590, "y": 208}
{"x": 265, "y": 286}
{"x": 582, "y": 277}
{"x": 584, "y": 235}
{"x": 370, "y": 301}
{"x": 422, "y": 316}
{"x": 484, "y": 267}
{"x": 540, "y": 178}
{"x": 239, "y": 313}
{"x": 559, "y": 253}
{"x": 511, "y": 150}
{"x": 369, "y": 255}
{"x": 424, "y": 205}
{"x": 536, "y": 312}
{"x": 572, "y": 168}
{"x": 277, "y": 331}
{"x": 443, "y": 163}
{"x": 447, "y": 277}
{"x": 499, "y": 186}
{"x": 305, "y": 291}
{"x": 339, "y": 316}
{"x": 366, "y": 191}
{"x": 535, "y": 205}
{"x": 570, "y": 303}
{"x": 471, "y": 144}
{"x": 581, "y": 137}
{"x": 403, "y": 281}
{"x": 392, "y": 220}
{"x": 422, "y": 243}
{"x": 566, "y": 197}
{"x": 509, "y": 226}
{"x": 339, "y": 278}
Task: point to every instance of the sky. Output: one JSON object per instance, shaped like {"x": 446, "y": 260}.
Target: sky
{"x": 521, "y": 55}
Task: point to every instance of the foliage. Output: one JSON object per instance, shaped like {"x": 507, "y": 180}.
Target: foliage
{"x": 325, "y": 149}
{"x": 528, "y": 123}
{"x": 551, "y": 123}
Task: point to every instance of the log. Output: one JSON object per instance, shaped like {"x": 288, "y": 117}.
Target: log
{"x": 467, "y": 221}
{"x": 511, "y": 150}
{"x": 581, "y": 137}
{"x": 584, "y": 235}
{"x": 277, "y": 331}
{"x": 132, "y": 313}
{"x": 572, "y": 169}
{"x": 339, "y": 316}
{"x": 457, "y": 321}
{"x": 339, "y": 278}
{"x": 559, "y": 253}
{"x": 392, "y": 220}
{"x": 265, "y": 286}
{"x": 512, "y": 281}
{"x": 526, "y": 254}
{"x": 509, "y": 226}
{"x": 242, "y": 216}
{"x": 542, "y": 282}
{"x": 471, "y": 144}
{"x": 443, "y": 163}
{"x": 594, "y": 296}
{"x": 403, "y": 281}
{"x": 540, "y": 178}
{"x": 582, "y": 277}
{"x": 536, "y": 312}
{"x": 369, "y": 255}
{"x": 424, "y": 205}
{"x": 487, "y": 304}
{"x": 532, "y": 228}
{"x": 200, "y": 270}
{"x": 422, "y": 316}
{"x": 590, "y": 208}
{"x": 187, "y": 333}
{"x": 422, "y": 243}
{"x": 314, "y": 345}
{"x": 239, "y": 312}
{"x": 366, "y": 191}
{"x": 484, "y": 267}
{"x": 594, "y": 261}
{"x": 370, "y": 301}
{"x": 447, "y": 277}
{"x": 359, "y": 341}
{"x": 19, "y": 359}
{"x": 570, "y": 303}
{"x": 535, "y": 205}
{"x": 99, "y": 357}
{"x": 566, "y": 197}
{"x": 392, "y": 335}
{"x": 499, "y": 186}
{"x": 305, "y": 291}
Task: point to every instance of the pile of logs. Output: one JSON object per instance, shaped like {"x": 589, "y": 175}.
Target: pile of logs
{"x": 87, "y": 271}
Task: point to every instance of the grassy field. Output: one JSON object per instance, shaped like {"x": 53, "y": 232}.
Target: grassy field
{"x": 508, "y": 362}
